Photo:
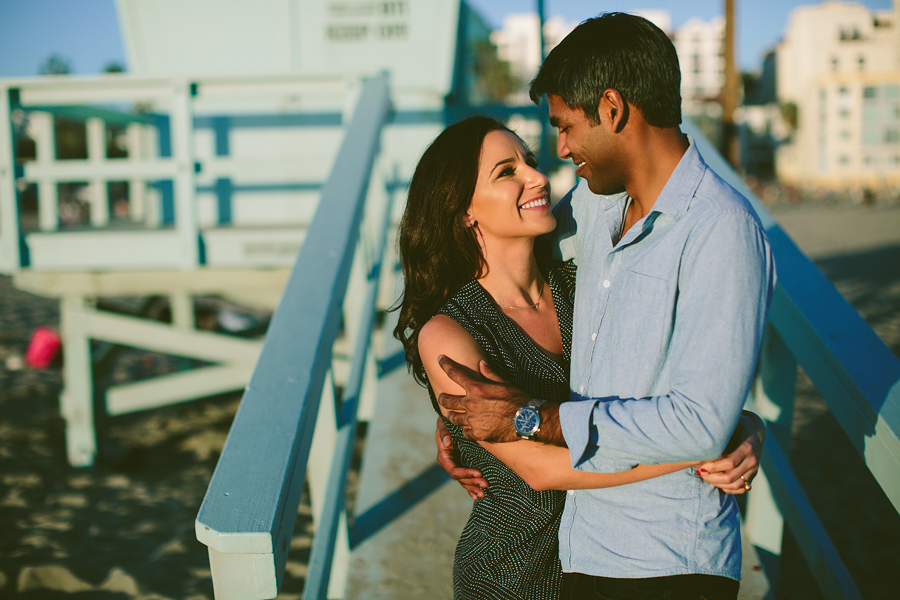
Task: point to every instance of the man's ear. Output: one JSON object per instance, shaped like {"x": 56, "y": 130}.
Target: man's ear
{"x": 613, "y": 110}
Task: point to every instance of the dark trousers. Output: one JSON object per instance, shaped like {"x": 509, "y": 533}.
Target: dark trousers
{"x": 577, "y": 586}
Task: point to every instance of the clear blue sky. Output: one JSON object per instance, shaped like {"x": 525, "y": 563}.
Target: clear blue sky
{"x": 86, "y": 32}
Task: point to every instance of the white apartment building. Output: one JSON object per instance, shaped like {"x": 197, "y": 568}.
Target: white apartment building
{"x": 839, "y": 65}
{"x": 701, "y": 54}
{"x": 518, "y": 43}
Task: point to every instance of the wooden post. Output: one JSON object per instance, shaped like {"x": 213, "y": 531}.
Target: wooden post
{"x": 181, "y": 304}
{"x": 98, "y": 191}
{"x": 137, "y": 187}
{"x": 182, "y": 123}
{"x": 76, "y": 401}
{"x": 9, "y": 204}
{"x": 48, "y": 192}
{"x": 729, "y": 96}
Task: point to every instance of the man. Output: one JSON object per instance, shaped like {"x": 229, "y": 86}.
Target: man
{"x": 674, "y": 280}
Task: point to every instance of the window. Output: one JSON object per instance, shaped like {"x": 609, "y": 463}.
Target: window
{"x": 844, "y": 159}
{"x": 870, "y": 92}
{"x": 870, "y": 113}
{"x": 892, "y": 136}
{"x": 892, "y": 91}
{"x": 861, "y": 61}
{"x": 834, "y": 63}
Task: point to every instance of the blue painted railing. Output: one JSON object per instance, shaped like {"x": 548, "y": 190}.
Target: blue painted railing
{"x": 248, "y": 514}
{"x": 812, "y": 325}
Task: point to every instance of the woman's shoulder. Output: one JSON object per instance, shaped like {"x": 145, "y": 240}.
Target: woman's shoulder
{"x": 442, "y": 336}
{"x": 469, "y": 306}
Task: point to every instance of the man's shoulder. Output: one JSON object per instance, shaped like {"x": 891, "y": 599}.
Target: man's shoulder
{"x": 715, "y": 198}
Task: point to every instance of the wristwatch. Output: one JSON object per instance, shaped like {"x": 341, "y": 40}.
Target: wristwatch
{"x": 528, "y": 419}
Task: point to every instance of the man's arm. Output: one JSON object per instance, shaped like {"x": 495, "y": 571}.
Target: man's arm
{"x": 486, "y": 389}
{"x": 724, "y": 294}
{"x": 724, "y": 288}
{"x": 486, "y": 410}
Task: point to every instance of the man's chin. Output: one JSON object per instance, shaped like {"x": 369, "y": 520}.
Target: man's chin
{"x": 601, "y": 189}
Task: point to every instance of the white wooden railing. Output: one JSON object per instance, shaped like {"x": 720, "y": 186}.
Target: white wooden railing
{"x": 248, "y": 514}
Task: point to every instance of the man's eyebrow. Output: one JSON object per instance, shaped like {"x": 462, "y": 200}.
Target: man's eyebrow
{"x": 554, "y": 122}
{"x": 503, "y": 162}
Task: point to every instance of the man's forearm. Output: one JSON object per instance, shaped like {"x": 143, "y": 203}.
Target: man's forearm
{"x": 551, "y": 430}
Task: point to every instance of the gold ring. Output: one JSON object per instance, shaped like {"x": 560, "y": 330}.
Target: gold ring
{"x": 747, "y": 485}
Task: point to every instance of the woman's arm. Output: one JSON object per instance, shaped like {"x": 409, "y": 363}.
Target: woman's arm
{"x": 541, "y": 466}
{"x": 546, "y": 467}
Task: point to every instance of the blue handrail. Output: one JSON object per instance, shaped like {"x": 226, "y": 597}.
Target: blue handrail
{"x": 248, "y": 527}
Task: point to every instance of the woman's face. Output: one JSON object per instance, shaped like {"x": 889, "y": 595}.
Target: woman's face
{"x": 512, "y": 198}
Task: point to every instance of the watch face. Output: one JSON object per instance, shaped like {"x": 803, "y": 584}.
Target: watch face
{"x": 527, "y": 421}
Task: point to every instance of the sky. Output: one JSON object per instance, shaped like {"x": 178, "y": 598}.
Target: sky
{"x": 85, "y": 33}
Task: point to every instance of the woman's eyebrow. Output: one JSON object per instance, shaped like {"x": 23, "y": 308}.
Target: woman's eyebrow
{"x": 511, "y": 159}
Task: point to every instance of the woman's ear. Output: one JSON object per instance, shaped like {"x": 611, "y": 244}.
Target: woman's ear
{"x": 469, "y": 219}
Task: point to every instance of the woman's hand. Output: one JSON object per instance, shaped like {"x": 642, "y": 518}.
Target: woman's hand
{"x": 733, "y": 473}
{"x": 447, "y": 458}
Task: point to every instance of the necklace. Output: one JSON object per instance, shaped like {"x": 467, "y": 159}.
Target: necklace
{"x": 535, "y": 305}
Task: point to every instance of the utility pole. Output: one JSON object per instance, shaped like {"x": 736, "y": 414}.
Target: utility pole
{"x": 729, "y": 96}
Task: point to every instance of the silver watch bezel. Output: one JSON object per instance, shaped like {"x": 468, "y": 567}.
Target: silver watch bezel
{"x": 531, "y": 406}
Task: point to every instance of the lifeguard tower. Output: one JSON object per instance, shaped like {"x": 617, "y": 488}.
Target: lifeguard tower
{"x": 267, "y": 147}
{"x": 231, "y": 117}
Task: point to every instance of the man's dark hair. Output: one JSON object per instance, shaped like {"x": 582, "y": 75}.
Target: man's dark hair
{"x": 620, "y": 51}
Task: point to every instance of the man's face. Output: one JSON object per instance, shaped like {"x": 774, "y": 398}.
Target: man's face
{"x": 592, "y": 148}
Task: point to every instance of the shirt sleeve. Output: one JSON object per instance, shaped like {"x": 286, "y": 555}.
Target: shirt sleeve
{"x": 725, "y": 286}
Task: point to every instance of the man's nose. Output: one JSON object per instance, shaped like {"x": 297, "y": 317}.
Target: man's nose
{"x": 562, "y": 148}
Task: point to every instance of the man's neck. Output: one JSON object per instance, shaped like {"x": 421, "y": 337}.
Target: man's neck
{"x": 655, "y": 153}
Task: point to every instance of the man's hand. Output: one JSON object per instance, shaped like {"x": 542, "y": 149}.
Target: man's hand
{"x": 486, "y": 411}
{"x": 733, "y": 473}
{"x": 447, "y": 458}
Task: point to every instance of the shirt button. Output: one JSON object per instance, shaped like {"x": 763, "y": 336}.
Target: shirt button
{"x": 581, "y": 390}
{"x": 571, "y": 492}
{"x": 606, "y": 283}
{"x": 593, "y": 336}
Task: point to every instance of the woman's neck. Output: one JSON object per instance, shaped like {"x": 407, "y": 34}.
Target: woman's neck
{"x": 511, "y": 275}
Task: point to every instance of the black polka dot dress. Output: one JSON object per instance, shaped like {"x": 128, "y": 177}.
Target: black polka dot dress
{"x": 509, "y": 547}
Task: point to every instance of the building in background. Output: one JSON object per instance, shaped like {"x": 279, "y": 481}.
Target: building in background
{"x": 701, "y": 55}
{"x": 838, "y": 82}
{"x": 518, "y": 43}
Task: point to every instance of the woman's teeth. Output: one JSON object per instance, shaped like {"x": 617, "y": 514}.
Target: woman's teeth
{"x": 536, "y": 203}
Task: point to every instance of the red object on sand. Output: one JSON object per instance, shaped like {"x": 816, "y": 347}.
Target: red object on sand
{"x": 43, "y": 348}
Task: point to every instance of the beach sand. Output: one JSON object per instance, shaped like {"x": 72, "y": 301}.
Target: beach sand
{"x": 124, "y": 528}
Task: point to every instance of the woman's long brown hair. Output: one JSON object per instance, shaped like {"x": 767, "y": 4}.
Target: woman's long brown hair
{"x": 438, "y": 251}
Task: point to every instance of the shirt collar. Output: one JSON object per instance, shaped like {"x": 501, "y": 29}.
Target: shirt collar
{"x": 676, "y": 196}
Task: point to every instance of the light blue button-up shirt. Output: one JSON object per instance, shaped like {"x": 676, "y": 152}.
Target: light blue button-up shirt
{"x": 667, "y": 329}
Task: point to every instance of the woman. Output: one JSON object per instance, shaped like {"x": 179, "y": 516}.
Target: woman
{"x": 477, "y": 288}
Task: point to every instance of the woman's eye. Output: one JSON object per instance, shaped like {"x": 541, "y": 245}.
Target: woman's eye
{"x": 507, "y": 171}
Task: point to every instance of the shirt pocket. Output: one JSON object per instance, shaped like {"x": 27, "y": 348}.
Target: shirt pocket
{"x": 642, "y": 316}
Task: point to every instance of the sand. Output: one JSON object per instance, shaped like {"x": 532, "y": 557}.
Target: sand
{"x": 123, "y": 529}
